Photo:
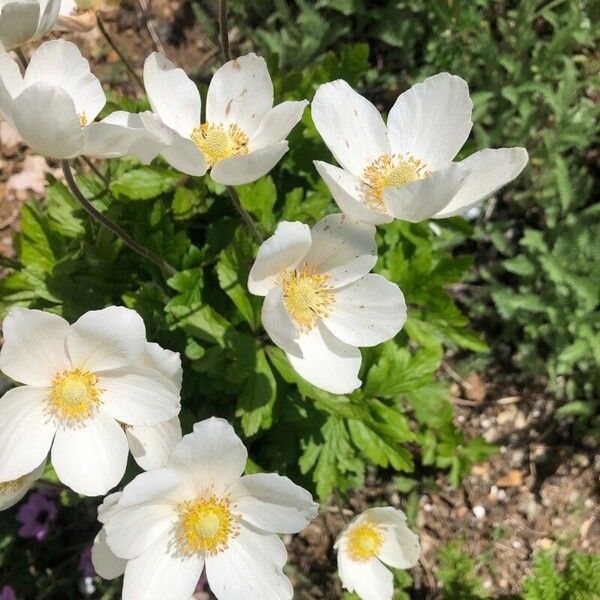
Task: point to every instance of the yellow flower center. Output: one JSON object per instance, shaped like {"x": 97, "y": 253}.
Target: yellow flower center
{"x": 207, "y": 525}
{"x": 389, "y": 171}
{"x": 8, "y": 487}
{"x": 218, "y": 142}
{"x": 364, "y": 542}
{"x": 83, "y": 120}
{"x": 307, "y": 297}
{"x": 74, "y": 396}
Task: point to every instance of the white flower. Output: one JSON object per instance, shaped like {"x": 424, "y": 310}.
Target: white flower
{"x": 12, "y": 491}
{"x": 82, "y": 381}
{"x": 24, "y": 20}
{"x": 321, "y": 301}
{"x": 200, "y": 512}
{"x": 242, "y": 137}
{"x": 151, "y": 446}
{"x": 405, "y": 171}
{"x": 106, "y": 563}
{"x": 53, "y": 107}
{"x": 376, "y": 537}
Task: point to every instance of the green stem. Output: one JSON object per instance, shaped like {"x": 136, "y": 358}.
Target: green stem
{"x": 245, "y": 215}
{"x": 113, "y": 227}
{"x": 224, "y": 30}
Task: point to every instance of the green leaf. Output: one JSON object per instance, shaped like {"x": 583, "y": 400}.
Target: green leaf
{"x": 145, "y": 183}
{"x": 259, "y": 198}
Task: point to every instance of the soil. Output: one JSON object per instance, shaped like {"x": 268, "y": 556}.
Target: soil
{"x": 539, "y": 491}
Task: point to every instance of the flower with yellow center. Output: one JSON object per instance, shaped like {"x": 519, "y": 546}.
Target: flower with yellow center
{"x": 82, "y": 383}
{"x": 322, "y": 302}
{"x": 199, "y": 513}
{"x": 12, "y": 491}
{"x": 242, "y": 136}
{"x": 375, "y": 538}
{"x": 405, "y": 170}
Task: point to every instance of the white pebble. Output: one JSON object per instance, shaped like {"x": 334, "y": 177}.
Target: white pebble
{"x": 479, "y": 511}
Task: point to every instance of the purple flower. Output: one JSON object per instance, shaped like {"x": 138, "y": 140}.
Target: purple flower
{"x": 7, "y": 593}
{"x": 35, "y": 516}
{"x": 85, "y": 565}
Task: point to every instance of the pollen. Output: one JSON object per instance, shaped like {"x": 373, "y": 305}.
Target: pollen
{"x": 207, "y": 525}
{"x": 7, "y": 487}
{"x": 364, "y": 542}
{"x": 218, "y": 142}
{"x": 83, "y": 120}
{"x": 389, "y": 171}
{"x": 307, "y": 297}
{"x": 74, "y": 396}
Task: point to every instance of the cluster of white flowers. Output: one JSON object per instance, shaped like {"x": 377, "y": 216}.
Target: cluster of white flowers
{"x": 96, "y": 390}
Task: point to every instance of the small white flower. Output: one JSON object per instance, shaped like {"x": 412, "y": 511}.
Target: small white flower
{"x": 242, "y": 137}
{"x": 151, "y": 446}
{"x": 53, "y": 107}
{"x": 375, "y": 538}
{"x": 321, "y": 301}
{"x": 12, "y": 491}
{"x": 200, "y": 512}
{"x": 82, "y": 384}
{"x": 22, "y": 21}
{"x": 405, "y": 170}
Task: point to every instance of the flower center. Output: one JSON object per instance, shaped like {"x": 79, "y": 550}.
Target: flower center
{"x": 74, "y": 396}
{"x": 307, "y": 297}
{"x": 83, "y": 120}
{"x": 364, "y": 542}
{"x": 8, "y": 487}
{"x": 217, "y": 142}
{"x": 207, "y": 525}
{"x": 386, "y": 171}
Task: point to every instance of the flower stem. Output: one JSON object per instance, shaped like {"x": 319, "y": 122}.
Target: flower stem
{"x": 120, "y": 54}
{"x": 113, "y": 227}
{"x": 245, "y": 215}
{"x": 22, "y": 58}
{"x": 224, "y": 30}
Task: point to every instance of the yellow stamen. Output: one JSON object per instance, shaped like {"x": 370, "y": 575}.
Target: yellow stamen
{"x": 389, "y": 171}
{"x": 307, "y": 297}
{"x": 83, "y": 120}
{"x": 364, "y": 542}
{"x": 74, "y": 396}
{"x": 8, "y": 487}
{"x": 218, "y": 142}
{"x": 207, "y": 525}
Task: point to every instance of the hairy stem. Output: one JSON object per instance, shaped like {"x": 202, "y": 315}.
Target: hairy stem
{"x": 245, "y": 215}
{"x": 120, "y": 54}
{"x": 224, "y": 30}
{"x": 113, "y": 227}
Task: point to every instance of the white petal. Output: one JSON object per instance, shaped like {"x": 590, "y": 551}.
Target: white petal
{"x": 26, "y": 431}
{"x": 145, "y": 511}
{"x": 488, "y": 170}
{"x": 60, "y": 63}
{"x": 277, "y": 322}
{"x": 240, "y": 92}
{"x": 11, "y": 83}
{"x": 106, "y": 563}
{"x": 138, "y": 396}
{"x": 173, "y": 96}
{"x": 327, "y": 362}
{"x": 350, "y": 125}
{"x": 211, "y": 455}
{"x": 34, "y": 349}
{"x": 11, "y": 494}
{"x": 91, "y": 457}
{"x": 283, "y": 250}
{"x": 257, "y": 573}
{"x": 370, "y": 580}
{"x": 185, "y": 156}
{"x": 246, "y": 168}
{"x": 46, "y": 119}
{"x": 421, "y": 200}
{"x": 161, "y": 573}
{"x": 107, "y": 339}
{"x": 367, "y": 312}
{"x": 346, "y": 191}
{"x": 432, "y": 120}
{"x": 18, "y": 23}
{"x": 152, "y": 446}
{"x": 163, "y": 360}
{"x": 273, "y": 503}
{"x": 109, "y": 507}
{"x": 277, "y": 124}
{"x": 48, "y": 16}
{"x": 342, "y": 248}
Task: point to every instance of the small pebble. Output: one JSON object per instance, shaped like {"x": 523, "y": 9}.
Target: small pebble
{"x": 479, "y": 511}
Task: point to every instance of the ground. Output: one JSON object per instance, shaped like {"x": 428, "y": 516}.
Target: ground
{"x": 535, "y": 493}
